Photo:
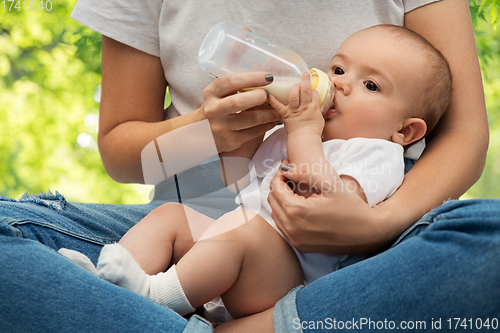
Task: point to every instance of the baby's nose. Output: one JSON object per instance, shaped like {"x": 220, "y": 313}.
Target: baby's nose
{"x": 341, "y": 83}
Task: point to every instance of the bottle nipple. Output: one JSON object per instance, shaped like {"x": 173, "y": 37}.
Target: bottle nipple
{"x": 322, "y": 83}
{"x": 314, "y": 82}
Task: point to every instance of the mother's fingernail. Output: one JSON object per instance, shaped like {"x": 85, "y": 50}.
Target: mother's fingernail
{"x": 267, "y": 93}
{"x": 270, "y": 77}
{"x": 286, "y": 167}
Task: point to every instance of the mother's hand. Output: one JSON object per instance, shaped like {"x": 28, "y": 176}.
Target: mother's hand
{"x": 331, "y": 221}
{"x": 223, "y": 107}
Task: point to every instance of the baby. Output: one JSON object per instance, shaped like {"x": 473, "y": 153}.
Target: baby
{"x": 391, "y": 88}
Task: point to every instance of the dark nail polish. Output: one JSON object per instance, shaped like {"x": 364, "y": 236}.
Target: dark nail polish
{"x": 267, "y": 93}
{"x": 270, "y": 77}
{"x": 286, "y": 167}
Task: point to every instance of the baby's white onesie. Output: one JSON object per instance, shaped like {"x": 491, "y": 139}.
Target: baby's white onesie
{"x": 376, "y": 164}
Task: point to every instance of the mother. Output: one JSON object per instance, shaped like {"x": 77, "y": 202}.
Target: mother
{"x": 148, "y": 45}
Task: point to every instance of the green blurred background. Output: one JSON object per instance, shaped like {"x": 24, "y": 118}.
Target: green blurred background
{"x": 49, "y": 103}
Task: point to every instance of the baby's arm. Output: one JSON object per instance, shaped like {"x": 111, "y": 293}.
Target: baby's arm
{"x": 304, "y": 125}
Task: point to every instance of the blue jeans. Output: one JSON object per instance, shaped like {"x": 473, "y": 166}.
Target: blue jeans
{"x": 41, "y": 291}
{"x": 446, "y": 269}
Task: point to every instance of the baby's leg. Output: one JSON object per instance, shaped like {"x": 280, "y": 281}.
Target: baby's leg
{"x": 164, "y": 236}
{"x": 251, "y": 266}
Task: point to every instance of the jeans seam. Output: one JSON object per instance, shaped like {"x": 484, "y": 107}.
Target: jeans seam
{"x": 408, "y": 231}
{"x": 18, "y": 232}
{"x": 76, "y": 234}
{"x": 285, "y": 312}
{"x": 428, "y": 219}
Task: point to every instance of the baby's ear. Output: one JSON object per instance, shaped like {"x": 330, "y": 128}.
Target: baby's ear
{"x": 413, "y": 130}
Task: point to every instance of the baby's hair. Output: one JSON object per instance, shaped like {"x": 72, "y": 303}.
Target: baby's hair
{"x": 435, "y": 98}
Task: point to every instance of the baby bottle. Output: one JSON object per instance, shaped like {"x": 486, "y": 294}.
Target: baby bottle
{"x": 228, "y": 49}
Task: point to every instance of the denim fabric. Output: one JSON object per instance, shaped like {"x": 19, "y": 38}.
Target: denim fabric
{"x": 41, "y": 291}
{"x": 457, "y": 246}
{"x": 446, "y": 266}
{"x": 285, "y": 313}
{"x": 408, "y": 164}
{"x": 50, "y": 220}
{"x": 197, "y": 324}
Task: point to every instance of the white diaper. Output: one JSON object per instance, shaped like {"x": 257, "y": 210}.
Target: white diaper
{"x": 216, "y": 312}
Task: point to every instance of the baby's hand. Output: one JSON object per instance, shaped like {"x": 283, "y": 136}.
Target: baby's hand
{"x": 303, "y": 110}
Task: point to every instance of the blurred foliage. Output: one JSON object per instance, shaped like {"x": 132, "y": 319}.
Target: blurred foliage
{"x": 49, "y": 91}
{"x": 49, "y": 100}
{"x": 485, "y": 10}
{"x": 486, "y": 14}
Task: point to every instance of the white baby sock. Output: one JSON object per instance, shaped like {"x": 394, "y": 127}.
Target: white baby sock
{"x": 79, "y": 258}
{"x": 117, "y": 266}
{"x": 166, "y": 289}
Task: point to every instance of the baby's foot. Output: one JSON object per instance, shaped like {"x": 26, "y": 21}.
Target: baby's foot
{"x": 79, "y": 258}
{"x": 117, "y": 266}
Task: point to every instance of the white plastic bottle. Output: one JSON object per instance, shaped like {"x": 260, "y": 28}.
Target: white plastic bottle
{"x": 228, "y": 49}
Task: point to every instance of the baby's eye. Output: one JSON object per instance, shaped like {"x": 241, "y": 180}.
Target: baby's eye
{"x": 370, "y": 85}
{"x": 338, "y": 71}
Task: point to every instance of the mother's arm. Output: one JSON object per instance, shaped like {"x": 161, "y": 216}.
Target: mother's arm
{"x": 452, "y": 162}
{"x": 454, "y": 158}
{"x": 132, "y": 108}
{"x": 455, "y": 155}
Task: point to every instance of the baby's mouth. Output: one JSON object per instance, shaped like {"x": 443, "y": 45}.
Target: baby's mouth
{"x": 329, "y": 113}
